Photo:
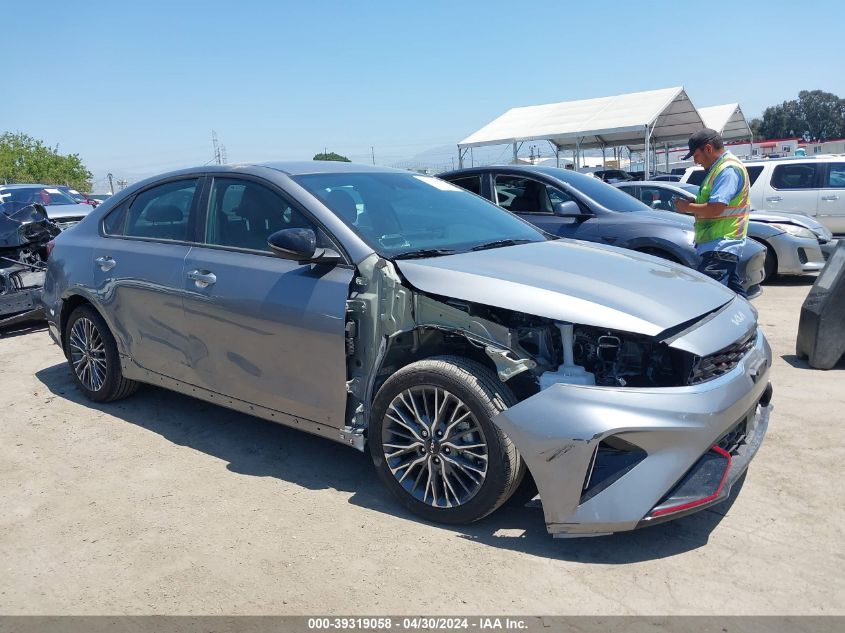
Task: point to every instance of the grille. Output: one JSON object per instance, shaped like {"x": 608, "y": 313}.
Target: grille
{"x": 734, "y": 438}
{"x": 723, "y": 361}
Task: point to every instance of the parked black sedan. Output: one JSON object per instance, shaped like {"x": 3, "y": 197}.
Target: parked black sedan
{"x": 569, "y": 204}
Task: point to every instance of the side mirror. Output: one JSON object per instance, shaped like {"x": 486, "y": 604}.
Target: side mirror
{"x": 570, "y": 209}
{"x": 300, "y": 245}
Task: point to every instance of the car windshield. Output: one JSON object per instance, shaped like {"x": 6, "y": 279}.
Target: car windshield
{"x": 42, "y": 195}
{"x": 73, "y": 193}
{"x": 693, "y": 189}
{"x": 412, "y": 215}
{"x": 606, "y": 195}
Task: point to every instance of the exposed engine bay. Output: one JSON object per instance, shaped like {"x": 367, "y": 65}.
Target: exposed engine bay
{"x": 529, "y": 352}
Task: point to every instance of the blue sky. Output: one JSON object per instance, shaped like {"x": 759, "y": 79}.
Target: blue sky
{"x": 137, "y": 88}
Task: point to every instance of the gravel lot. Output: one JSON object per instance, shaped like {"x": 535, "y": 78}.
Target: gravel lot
{"x": 164, "y": 504}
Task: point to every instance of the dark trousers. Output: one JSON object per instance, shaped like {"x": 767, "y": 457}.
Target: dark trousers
{"x": 722, "y": 267}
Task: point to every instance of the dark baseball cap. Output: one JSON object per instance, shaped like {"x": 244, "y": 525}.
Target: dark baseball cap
{"x": 700, "y": 139}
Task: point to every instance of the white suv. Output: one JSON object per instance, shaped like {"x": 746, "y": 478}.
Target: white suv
{"x": 814, "y": 186}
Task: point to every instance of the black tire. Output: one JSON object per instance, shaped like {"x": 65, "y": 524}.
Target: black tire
{"x": 770, "y": 264}
{"x": 110, "y": 385}
{"x": 480, "y": 392}
{"x": 525, "y": 491}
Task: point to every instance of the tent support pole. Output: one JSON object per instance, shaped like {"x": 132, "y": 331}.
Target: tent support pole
{"x": 646, "y": 155}
{"x": 603, "y": 158}
{"x": 514, "y": 153}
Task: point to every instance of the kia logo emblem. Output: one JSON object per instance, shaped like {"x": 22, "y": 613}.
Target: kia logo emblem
{"x": 738, "y": 318}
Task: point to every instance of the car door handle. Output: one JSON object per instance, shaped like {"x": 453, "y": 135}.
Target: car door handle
{"x": 830, "y": 198}
{"x": 202, "y": 279}
{"x": 106, "y": 263}
{"x": 774, "y": 199}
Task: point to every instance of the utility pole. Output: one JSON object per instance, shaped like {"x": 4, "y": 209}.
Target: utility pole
{"x": 216, "y": 147}
{"x": 122, "y": 183}
{"x": 111, "y": 184}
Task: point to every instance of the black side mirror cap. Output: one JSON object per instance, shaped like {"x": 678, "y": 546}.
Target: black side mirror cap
{"x": 300, "y": 245}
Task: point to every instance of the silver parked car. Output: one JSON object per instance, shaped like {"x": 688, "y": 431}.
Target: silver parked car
{"x": 60, "y": 206}
{"x": 793, "y": 241}
{"x": 476, "y": 356}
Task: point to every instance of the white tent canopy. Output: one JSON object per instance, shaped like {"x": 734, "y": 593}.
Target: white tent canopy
{"x": 728, "y": 120}
{"x": 655, "y": 116}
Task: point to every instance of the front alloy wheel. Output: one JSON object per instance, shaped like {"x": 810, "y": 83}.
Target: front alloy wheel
{"x": 434, "y": 446}
{"x": 434, "y": 443}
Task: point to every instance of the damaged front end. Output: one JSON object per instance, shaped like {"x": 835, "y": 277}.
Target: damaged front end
{"x": 619, "y": 429}
{"x": 25, "y": 232}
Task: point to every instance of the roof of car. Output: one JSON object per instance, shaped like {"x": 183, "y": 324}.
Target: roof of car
{"x": 299, "y": 168}
{"x": 26, "y": 185}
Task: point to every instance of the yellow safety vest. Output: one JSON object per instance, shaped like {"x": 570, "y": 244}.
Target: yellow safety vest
{"x": 733, "y": 221}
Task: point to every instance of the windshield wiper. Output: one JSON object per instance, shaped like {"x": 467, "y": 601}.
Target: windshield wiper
{"x": 499, "y": 244}
{"x": 425, "y": 252}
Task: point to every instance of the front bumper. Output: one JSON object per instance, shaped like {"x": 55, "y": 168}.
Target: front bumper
{"x": 828, "y": 247}
{"x": 797, "y": 255}
{"x": 559, "y": 431}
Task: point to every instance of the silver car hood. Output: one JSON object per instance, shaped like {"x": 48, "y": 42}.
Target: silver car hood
{"x": 61, "y": 211}
{"x": 568, "y": 280}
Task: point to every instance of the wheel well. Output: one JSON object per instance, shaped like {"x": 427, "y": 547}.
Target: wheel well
{"x": 68, "y": 306}
{"x": 770, "y": 252}
{"x": 659, "y": 252}
{"x": 422, "y": 343}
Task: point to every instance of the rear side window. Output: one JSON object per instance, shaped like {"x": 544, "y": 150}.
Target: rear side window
{"x": 835, "y": 176}
{"x": 470, "y": 183}
{"x": 160, "y": 213}
{"x": 696, "y": 177}
{"x": 795, "y": 176}
{"x": 753, "y": 174}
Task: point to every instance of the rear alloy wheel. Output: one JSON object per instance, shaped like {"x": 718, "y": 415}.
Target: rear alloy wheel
{"x": 434, "y": 444}
{"x": 92, "y": 355}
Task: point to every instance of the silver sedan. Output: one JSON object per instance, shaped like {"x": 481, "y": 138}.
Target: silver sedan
{"x": 477, "y": 359}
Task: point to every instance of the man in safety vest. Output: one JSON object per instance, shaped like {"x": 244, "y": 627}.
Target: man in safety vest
{"x": 720, "y": 209}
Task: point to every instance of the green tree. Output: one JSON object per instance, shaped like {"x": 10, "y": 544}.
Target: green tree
{"x": 331, "y": 156}
{"x": 26, "y": 159}
{"x": 822, "y": 115}
{"x": 814, "y": 116}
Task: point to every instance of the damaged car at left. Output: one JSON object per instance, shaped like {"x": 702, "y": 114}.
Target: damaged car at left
{"x": 475, "y": 357}
{"x": 25, "y": 238}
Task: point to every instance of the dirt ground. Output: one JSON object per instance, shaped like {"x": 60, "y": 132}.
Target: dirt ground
{"x": 164, "y": 504}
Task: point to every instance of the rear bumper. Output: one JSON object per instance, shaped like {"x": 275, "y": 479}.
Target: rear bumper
{"x": 559, "y": 432}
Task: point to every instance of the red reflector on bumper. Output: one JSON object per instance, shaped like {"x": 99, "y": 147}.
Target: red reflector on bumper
{"x": 697, "y": 502}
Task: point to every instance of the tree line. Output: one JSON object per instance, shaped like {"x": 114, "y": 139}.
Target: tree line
{"x": 814, "y": 116}
{"x": 26, "y": 159}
